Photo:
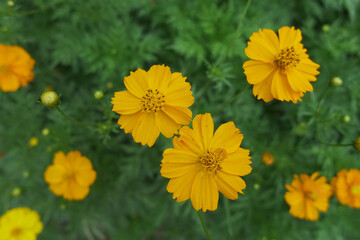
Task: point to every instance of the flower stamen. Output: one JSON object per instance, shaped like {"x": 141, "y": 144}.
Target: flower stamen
{"x": 211, "y": 160}
{"x": 153, "y": 101}
{"x": 355, "y": 190}
{"x": 16, "y": 232}
{"x": 287, "y": 58}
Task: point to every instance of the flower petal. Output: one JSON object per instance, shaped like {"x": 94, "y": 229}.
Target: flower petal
{"x": 261, "y": 46}
{"x": 159, "y": 77}
{"x": 167, "y": 126}
{"x": 263, "y": 89}
{"x": 298, "y": 81}
{"x": 281, "y": 89}
{"x": 227, "y": 136}
{"x": 180, "y": 115}
{"x": 129, "y": 122}
{"x": 204, "y": 192}
{"x": 126, "y": 103}
{"x": 137, "y": 83}
{"x": 171, "y": 170}
{"x": 172, "y": 155}
{"x": 229, "y": 184}
{"x": 289, "y": 37}
{"x": 9, "y": 83}
{"x": 54, "y": 174}
{"x": 237, "y": 163}
{"x": 146, "y": 130}
{"x": 257, "y": 71}
{"x": 203, "y": 127}
{"x": 85, "y": 177}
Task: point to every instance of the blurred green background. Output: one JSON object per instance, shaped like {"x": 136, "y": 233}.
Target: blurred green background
{"x": 87, "y": 45}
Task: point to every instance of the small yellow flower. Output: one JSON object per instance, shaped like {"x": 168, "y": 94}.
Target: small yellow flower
{"x": 45, "y": 132}
{"x": 155, "y": 101}
{"x": 50, "y": 99}
{"x": 33, "y": 142}
{"x": 16, "y": 192}
{"x": 346, "y": 186}
{"x": 307, "y": 196}
{"x": 20, "y": 224}
{"x": 280, "y": 67}
{"x": 202, "y": 163}
{"x": 70, "y": 176}
{"x": 267, "y": 158}
{"x": 16, "y": 68}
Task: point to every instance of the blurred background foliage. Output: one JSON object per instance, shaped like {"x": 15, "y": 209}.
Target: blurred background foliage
{"x": 87, "y": 45}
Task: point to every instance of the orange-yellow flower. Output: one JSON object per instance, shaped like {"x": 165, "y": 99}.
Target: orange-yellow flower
{"x": 155, "y": 101}
{"x": 16, "y": 68}
{"x": 267, "y": 158}
{"x": 203, "y": 163}
{"x": 70, "y": 176}
{"x": 280, "y": 67}
{"x": 20, "y": 224}
{"x": 307, "y": 196}
{"x": 346, "y": 186}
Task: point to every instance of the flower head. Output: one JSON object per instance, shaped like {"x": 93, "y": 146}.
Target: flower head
{"x": 70, "y": 176}
{"x": 155, "y": 101}
{"x": 20, "y": 224}
{"x": 307, "y": 196}
{"x": 267, "y": 159}
{"x": 280, "y": 67}
{"x": 202, "y": 163}
{"x": 16, "y": 68}
{"x": 346, "y": 186}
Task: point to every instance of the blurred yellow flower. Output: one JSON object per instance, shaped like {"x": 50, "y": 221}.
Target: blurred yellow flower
{"x": 70, "y": 176}
{"x": 267, "y": 158}
{"x": 346, "y": 186}
{"x": 16, "y": 68}
{"x": 33, "y": 142}
{"x": 155, "y": 101}
{"x": 203, "y": 163}
{"x": 307, "y": 196}
{"x": 280, "y": 67}
{"x": 20, "y": 224}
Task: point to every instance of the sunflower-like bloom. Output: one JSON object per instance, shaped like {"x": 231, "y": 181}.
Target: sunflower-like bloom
{"x": 307, "y": 196}
{"x": 203, "y": 163}
{"x": 70, "y": 176}
{"x": 20, "y": 224}
{"x": 346, "y": 186}
{"x": 16, "y": 68}
{"x": 155, "y": 101}
{"x": 280, "y": 67}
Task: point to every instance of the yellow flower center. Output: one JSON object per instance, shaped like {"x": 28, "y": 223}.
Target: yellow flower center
{"x": 311, "y": 195}
{"x": 211, "y": 160}
{"x": 153, "y": 101}
{"x": 355, "y": 190}
{"x": 3, "y": 69}
{"x": 16, "y": 232}
{"x": 287, "y": 58}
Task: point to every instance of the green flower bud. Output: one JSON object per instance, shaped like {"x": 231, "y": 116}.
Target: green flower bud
{"x": 356, "y": 144}
{"x": 10, "y": 3}
{"x": 326, "y": 28}
{"x": 50, "y": 99}
{"x": 98, "y": 94}
{"x": 256, "y": 186}
{"x": 26, "y": 174}
{"x": 45, "y": 132}
{"x": 346, "y": 119}
{"x": 336, "y": 82}
{"x": 16, "y": 192}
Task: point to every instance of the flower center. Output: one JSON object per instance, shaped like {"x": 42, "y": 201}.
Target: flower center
{"x": 16, "y": 232}
{"x": 3, "y": 69}
{"x": 287, "y": 58}
{"x": 153, "y": 101}
{"x": 355, "y": 190}
{"x": 311, "y": 195}
{"x": 211, "y": 160}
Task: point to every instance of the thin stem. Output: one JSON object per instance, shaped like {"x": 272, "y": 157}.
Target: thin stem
{"x": 75, "y": 121}
{"x": 227, "y": 213}
{"x": 107, "y": 115}
{"x": 203, "y": 224}
{"x": 33, "y": 11}
{"x": 232, "y": 99}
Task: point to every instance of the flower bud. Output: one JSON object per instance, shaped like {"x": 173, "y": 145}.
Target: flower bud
{"x": 98, "y": 94}
{"x": 336, "y": 82}
{"x": 109, "y": 85}
{"x": 26, "y": 174}
{"x": 45, "y": 132}
{"x": 267, "y": 159}
{"x": 256, "y": 186}
{"x": 33, "y": 142}
{"x": 326, "y": 28}
{"x": 346, "y": 119}
{"x": 16, "y": 192}
{"x": 50, "y": 99}
{"x": 356, "y": 144}
{"x": 10, "y": 3}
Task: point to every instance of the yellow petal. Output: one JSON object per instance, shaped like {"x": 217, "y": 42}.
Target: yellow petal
{"x": 60, "y": 159}
{"x": 126, "y": 103}
{"x": 262, "y": 48}
{"x": 58, "y": 188}
{"x": 204, "y": 192}
{"x": 85, "y": 177}
{"x": 237, "y": 163}
{"x": 129, "y": 122}
{"x": 298, "y": 81}
{"x": 263, "y": 89}
{"x": 9, "y": 83}
{"x": 159, "y": 77}
{"x": 228, "y": 137}
{"x": 281, "y": 89}
{"x": 77, "y": 191}
{"x": 180, "y": 115}
{"x": 203, "y": 127}
{"x": 257, "y": 71}
{"x": 137, "y": 83}
{"x": 167, "y": 126}
{"x": 54, "y": 174}
{"x": 294, "y": 198}
{"x": 187, "y": 140}
{"x": 229, "y": 185}
{"x": 146, "y": 131}
{"x": 171, "y": 170}
{"x": 311, "y": 213}
{"x": 289, "y": 36}
{"x": 172, "y": 155}
{"x": 179, "y": 94}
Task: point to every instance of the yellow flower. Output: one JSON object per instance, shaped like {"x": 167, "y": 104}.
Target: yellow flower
{"x": 203, "y": 163}
{"x": 346, "y": 186}
{"x": 20, "y": 224}
{"x": 16, "y": 68}
{"x": 267, "y": 159}
{"x": 307, "y": 196}
{"x": 33, "y": 142}
{"x": 155, "y": 101}
{"x": 280, "y": 67}
{"x": 70, "y": 176}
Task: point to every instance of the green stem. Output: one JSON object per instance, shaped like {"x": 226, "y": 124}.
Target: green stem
{"x": 75, "y": 121}
{"x": 34, "y": 11}
{"x": 227, "y": 213}
{"x": 232, "y": 99}
{"x": 203, "y": 224}
{"x": 107, "y": 115}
